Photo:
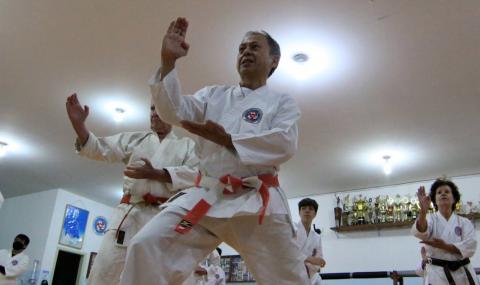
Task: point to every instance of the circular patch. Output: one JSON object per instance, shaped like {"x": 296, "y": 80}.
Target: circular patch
{"x": 253, "y": 115}
{"x": 14, "y": 262}
{"x": 458, "y": 231}
{"x": 100, "y": 225}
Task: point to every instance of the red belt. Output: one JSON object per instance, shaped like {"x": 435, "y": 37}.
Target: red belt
{"x": 232, "y": 186}
{"x": 148, "y": 199}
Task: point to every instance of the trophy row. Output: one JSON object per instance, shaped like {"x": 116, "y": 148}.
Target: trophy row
{"x": 361, "y": 210}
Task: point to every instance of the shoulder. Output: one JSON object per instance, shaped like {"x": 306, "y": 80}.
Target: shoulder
{"x": 214, "y": 90}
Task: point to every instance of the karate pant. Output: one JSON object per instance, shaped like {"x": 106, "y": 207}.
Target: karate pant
{"x": 158, "y": 255}
{"x": 110, "y": 260}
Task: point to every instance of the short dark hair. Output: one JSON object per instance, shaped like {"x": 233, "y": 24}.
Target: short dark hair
{"x": 308, "y": 202}
{"x": 444, "y": 182}
{"x": 219, "y": 250}
{"x": 272, "y": 44}
{"x": 23, "y": 237}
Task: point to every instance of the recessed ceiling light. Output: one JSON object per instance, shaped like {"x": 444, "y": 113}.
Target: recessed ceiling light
{"x": 119, "y": 114}
{"x": 300, "y": 57}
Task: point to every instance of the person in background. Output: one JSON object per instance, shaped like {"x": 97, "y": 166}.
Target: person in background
{"x": 309, "y": 240}
{"x": 14, "y": 262}
{"x": 449, "y": 239}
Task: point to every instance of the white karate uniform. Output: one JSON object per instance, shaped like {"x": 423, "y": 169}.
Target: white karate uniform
{"x": 176, "y": 155}
{"x": 311, "y": 245}
{"x": 14, "y": 266}
{"x": 458, "y": 231}
{"x": 263, "y": 127}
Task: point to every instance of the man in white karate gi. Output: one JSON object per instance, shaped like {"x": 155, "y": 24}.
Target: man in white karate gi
{"x": 158, "y": 165}
{"x": 14, "y": 262}
{"x": 309, "y": 240}
{"x": 245, "y": 132}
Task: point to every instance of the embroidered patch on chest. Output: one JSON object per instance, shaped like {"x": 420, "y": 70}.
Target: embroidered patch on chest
{"x": 253, "y": 115}
{"x": 458, "y": 231}
{"x": 14, "y": 262}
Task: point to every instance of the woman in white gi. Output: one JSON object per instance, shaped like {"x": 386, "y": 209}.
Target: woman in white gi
{"x": 158, "y": 164}
{"x": 309, "y": 240}
{"x": 449, "y": 239}
{"x": 13, "y": 262}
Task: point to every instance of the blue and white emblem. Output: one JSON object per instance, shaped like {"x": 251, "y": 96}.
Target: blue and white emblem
{"x": 253, "y": 115}
{"x": 100, "y": 225}
{"x": 14, "y": 262}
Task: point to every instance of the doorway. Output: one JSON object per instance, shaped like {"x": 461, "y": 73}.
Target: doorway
{"x": 66, "y": 268}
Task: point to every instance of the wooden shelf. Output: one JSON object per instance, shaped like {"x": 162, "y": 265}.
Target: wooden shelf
{"x": 371, "y": 227}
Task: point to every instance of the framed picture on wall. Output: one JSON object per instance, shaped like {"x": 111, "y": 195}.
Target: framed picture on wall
{"x": 73, "y": 227}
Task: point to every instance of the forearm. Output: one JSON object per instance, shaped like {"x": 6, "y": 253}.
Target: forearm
{"x": 167, "y": 67}
{"x": 160, "y": 175}
{"x": 451, "y": 248}
{"x": 421, "y": 223}
{"x": 82, "y": 132}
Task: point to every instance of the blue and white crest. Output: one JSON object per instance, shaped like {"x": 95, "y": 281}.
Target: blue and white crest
{"x": 14, "y": 262}
{"x": 253, "y": 115}
{"x": 100, "y": 225}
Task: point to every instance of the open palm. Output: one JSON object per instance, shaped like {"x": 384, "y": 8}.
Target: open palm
{"x": 423, "y": 199}
{"x": 76, "y": 112}
{"x": 174, "y": 45}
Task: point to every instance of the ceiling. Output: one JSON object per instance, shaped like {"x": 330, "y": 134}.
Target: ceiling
{"x": 403, "y": 78}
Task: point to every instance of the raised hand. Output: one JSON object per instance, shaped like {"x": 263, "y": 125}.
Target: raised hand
{"x": 77, "y": 115}
{"x": 174, "y": 45}
{"x": 423, "y": 199}
{"x": 76, "y": 112}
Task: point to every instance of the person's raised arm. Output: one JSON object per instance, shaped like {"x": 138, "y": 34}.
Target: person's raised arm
{"x": 174, "y": 45}
{"x": 78, "y": 115}
{"x": 424, "y": 201}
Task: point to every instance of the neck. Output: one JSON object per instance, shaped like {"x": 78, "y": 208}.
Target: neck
{"x": 446, "y": 212}
{"x": 253, "y": 83}
{"x": 161, "y": 136}
{"x": 307, "y": 225}
{"x": 15, "y": 252}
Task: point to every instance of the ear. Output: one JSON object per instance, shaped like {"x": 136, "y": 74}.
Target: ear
{"x": 275, "y": 61}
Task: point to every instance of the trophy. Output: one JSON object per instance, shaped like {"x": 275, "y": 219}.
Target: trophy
{"x": 347, "y": 208}
{"x": 338, "y": 213}
{"x": 383, "y": 209}
{"x": 390, "y": 209}
{"x": 361, "y": 210}
{"x": 415, "y": 208}
{"x": 371, "y": 211}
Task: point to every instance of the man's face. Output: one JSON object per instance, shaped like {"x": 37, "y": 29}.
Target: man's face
{"x": 254, "y": 59}
{"x": 19, "y": 243}
{"x": 156, "y": 124}
{"x": 307, "y": 213}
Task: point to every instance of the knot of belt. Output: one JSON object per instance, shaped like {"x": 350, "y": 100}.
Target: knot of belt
{"x": 231, "y": 185}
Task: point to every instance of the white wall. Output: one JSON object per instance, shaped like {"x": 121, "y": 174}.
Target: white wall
{"x": 91, "y": 242}
{"x": 31, "y": 215}
{"x": 377, "y": 250}
{"x": 40, "y": 216}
